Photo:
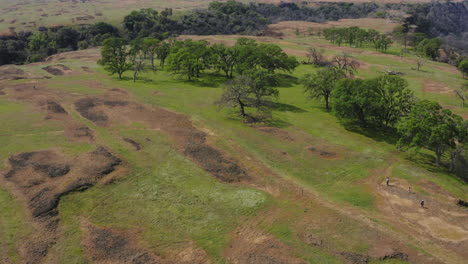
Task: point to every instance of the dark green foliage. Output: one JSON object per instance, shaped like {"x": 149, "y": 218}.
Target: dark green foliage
{"x": 13, "y": 51}
{"x": 355, "y": 100}
{"x": 188, "y": 58}
{"x": 162, "y": 51}
{"x": 252, "y": 90}
{"x": 41, "y": 44}
{"x": 379, "y": 101}
{"x": 429, "y": 47}
{"x": 357, "y": 37}
{"x": 430, "y": 126}
{"x": 147, "y": 22}
{"x": 224, "y": 58}
{"x": 320, "y": 84}
{"x": 115, "y": 56}
{"x": 463, "y": 67}
{"x": 440, "y": 19}
{"x": 67, "y": 37}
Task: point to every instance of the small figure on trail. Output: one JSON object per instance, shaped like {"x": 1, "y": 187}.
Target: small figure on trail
{"x": 388, "y": 181}
{"x": 409, "y": 189}
{"x": 422, "y": 203}
{"x": 34, "y": 87}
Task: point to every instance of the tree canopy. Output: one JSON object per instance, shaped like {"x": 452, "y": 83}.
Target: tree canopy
{"x": 114, "y": 55}
{"x": 430, "y": 126}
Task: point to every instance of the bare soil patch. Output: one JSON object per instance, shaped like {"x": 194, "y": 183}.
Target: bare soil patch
{"x": 439, "y": 220}
{"x": 435, "y": 87}
{"x": 276, "y": 132}
{"x": 12, "y": 73}
{"x": 41, "y": 178}
{"x": 58, "y": 69}
{"x": 190, "y": 141}
{"x": 253, "y": 246}
{"x": 91, "y": 55}
{"x": 54, "y": 107}
{"x": 326, "y": 154}
{"x": 79, "y": 132}
{"x": 105, "y": 245}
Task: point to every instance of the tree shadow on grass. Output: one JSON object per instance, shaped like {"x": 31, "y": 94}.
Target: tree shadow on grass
{"x": 277, "y": 106}
{"x": 427, "y": 161}
{"x": 381, "y": 134}
{"x": 286, "y": 80}
{"x": 276, "y": 122}
{"x": 212, "y": 80}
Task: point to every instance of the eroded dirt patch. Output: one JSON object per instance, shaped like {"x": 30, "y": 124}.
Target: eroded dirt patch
{"x": 104, "y": 245}
{"x": 133, "y": 143}
{"x": 252, "y": 246}
{"x": 58, "y": 69}
{"x": 41, "y": 178}
{"x": 435, "y": 87}
{"x": 323, "y": 153}
{"x": 439, "y": 220}
{"x": 12, "y": 73}
{"x": 276, "y": 132}
{"x": 105, "y": 111}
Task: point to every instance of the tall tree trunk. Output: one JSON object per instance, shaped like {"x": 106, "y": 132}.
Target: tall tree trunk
{"x": 327, "y": 103}
{"x": 241, "y": 108}
{"x": 438, "y": 156}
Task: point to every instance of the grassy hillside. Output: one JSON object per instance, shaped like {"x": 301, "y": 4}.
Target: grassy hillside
{"x": 314, "y": 191}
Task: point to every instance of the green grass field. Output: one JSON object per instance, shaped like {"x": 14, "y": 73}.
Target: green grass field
{"x": 169, "y": 200}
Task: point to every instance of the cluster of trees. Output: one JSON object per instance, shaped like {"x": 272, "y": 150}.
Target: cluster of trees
{"x": 230, "y": 17}
{"x": 119, "y": 56}
{"x": 28, "y": 47}
{"x": 189, "y": 58}
{"x": 357, "y": 37}
{"x": 386, "y": 102}
{"x": 463, "y": 67}
{"x": 447, "y": 21}
{"x": 317, "y": 13}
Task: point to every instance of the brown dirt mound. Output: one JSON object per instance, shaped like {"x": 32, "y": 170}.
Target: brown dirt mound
{"x": 58, "y": 69}
{"x": 104, "y": 245}
{"x": 41, "y": 178}
{"x": 189, "y": 141}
